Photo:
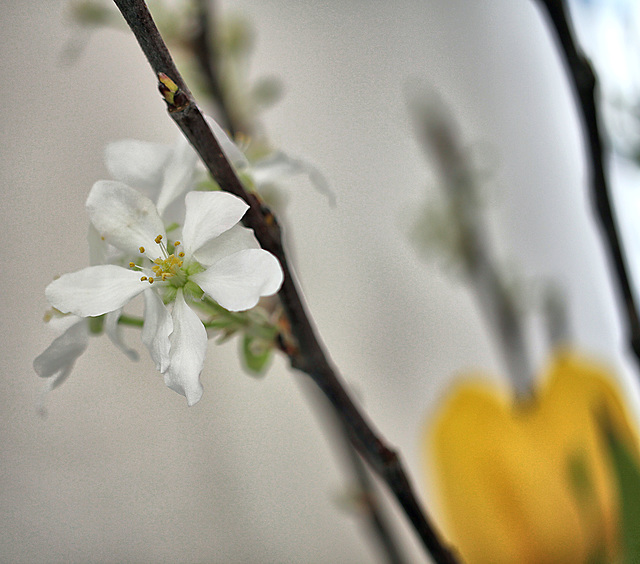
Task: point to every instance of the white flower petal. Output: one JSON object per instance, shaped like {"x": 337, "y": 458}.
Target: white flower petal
{"x": 94, "y": 290}
{"x": 97, "y": 247}
{"x": 238, "y": 281}
{"x": 101, "y": 252}
{"x": 235, "y": 239}
{"x": 57, "y": 361}
{"x": 157, "y": 327}
{"x": 188, "y": 348}
{"x": 137, "y": 163}
{"x": 280, "y": 166}
{"x": 125, "y": 218}
{"x": 179, "y": 174}
{"x": 114, "y": 332}
{"x": 208, "y": 215}
{"x": 229, "y": 148}
{"x": 60, "y": 322}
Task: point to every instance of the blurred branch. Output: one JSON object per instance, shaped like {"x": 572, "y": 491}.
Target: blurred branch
{"x": 207, "y": 56}
{"x": 584, "y": 82}
{"x": 369, "y": 498}
{"x": 307, "y": 355}
{"x": 438, "y": 133}
{"x": 555, "y": 316}
{"x": 366, "y": 494}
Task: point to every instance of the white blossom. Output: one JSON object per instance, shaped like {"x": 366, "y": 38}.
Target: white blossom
{"x": 214, "y": 258}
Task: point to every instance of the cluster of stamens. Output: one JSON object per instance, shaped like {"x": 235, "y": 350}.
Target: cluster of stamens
{"x": 165, "y": 267}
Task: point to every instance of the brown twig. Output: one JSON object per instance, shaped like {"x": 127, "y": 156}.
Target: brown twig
{"x": 307, "y": 355}
{"x": 584, "y": 82}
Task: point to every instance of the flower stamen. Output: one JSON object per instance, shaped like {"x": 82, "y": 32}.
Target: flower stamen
{"x": 165, "y": 266}
{"x": 170, "y": 265}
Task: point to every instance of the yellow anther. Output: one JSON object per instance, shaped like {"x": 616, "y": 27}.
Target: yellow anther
{"x": 158, "y": 239}
{"x": 180, "y": 254}
{"x": 132, "y": 264}
{"x": 141, "y": 249}
{"x": 143, "y": 278}
{"x": 150, "y": 279}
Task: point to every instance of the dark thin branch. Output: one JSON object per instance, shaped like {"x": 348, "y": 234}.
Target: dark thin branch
{"x": 584, "y": 82}
{"x": 307, "y": 355}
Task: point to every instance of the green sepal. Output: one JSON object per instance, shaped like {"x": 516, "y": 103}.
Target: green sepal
{"x": 96, "y": 325}
{"x": 256, "y": 354}
{"x": 172, "y": 227}
{"x": 192, "y": 290}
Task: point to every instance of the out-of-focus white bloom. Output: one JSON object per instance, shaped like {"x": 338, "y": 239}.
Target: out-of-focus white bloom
{"x": 275, "y": 167}
{"x": 56, "y": 362}
{"x": 212, "y": 259}
{"x": 162, "y": 172}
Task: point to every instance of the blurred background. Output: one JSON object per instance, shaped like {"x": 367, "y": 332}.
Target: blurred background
{"x": 121, "y": 470}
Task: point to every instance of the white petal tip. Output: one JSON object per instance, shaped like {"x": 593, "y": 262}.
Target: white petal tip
{"x": 193, "y": 395}
{"x": 195, "y": 398}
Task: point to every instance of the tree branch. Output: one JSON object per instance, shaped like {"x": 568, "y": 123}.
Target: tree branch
{"x": 438, "y": 133}
{"x": 585, "y": 87}
{"x": 307, "y": 355}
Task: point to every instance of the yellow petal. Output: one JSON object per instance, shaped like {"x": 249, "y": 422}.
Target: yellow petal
{"x": 529, "y": 482}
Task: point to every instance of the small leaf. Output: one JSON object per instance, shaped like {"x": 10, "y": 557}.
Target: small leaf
{"x": 91, "y": 13}
{"x": 256, "y": 354}
{"x": 627, "y": 474}
{"x": 267, "y": 91}
{"x": 581, "y": 481}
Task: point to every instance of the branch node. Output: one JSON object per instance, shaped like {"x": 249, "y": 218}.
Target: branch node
{"x": 175, "y": 98}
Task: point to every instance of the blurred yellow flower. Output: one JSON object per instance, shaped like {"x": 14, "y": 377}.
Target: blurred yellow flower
{"x": 531, "y": 482}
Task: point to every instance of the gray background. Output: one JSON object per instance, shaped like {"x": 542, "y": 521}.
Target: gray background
{"x": 122, "y": 470}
